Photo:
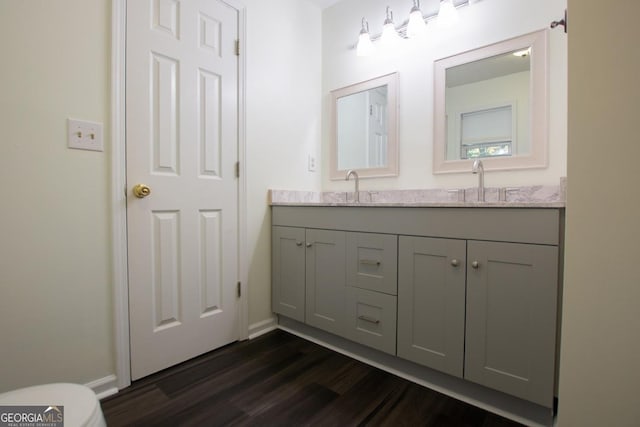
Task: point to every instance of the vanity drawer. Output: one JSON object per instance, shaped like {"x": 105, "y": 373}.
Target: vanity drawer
{"x": 371, "y": 319}
{"x": 372, "y": 262}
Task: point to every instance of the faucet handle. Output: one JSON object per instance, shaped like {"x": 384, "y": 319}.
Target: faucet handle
{"x": 503, "y": 192}
{"x": 458, "y": 193}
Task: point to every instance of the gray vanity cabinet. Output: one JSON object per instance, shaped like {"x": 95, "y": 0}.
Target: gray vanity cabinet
{"x": 325, "y": 280}
{"x": 431, "y": 302}
{"x": 489, "y": 307}
{"x": 309, "y": 282}
{"x": 372, "y": 262}
{"x": 511, "y": 311}
{"x": 469, "y": 292}
{"x": 372, "y": 285}
{"x": 288, "y": 271}
{"x": 371, "y": 319}
{"x": 308, "y": 276}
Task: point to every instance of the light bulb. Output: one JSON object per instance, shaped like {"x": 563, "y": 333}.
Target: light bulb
{"x": 390, "y": 37}
{"x": 447, "y": 15}
{"x": 365, "y": 47}
{"x": 416, "y": 28}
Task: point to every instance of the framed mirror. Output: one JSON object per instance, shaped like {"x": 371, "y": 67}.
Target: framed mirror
{"x": 365, "y": 128}
{"x": 492, "y": 103}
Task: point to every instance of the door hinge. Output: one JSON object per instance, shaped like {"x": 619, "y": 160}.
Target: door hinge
{"x": 239, "y": 289}
{"x": 237, "y": 169}
{"x": 237, "y": 48}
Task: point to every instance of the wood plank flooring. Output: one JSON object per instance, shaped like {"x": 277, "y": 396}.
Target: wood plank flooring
{"x": 279, "y": 379}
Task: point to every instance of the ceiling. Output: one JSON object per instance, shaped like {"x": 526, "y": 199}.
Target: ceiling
{"x": 488, "y": 68}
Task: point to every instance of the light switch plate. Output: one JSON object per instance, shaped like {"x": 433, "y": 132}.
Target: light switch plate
{"x": 312, "y": 163}
{"x": 84, "y": 135}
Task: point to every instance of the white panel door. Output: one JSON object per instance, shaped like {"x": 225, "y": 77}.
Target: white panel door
{"x": 182, "y": 142}
{"x": 378, "y": 134}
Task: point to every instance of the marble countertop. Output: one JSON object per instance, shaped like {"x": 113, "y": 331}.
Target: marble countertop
{"x": 537, "y": 196}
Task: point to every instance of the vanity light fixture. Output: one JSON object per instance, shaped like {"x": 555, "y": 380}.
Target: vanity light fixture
{"x": 417, "y": 27}
{"x": 365, "y": 46}
{"x": 414, "y": 27}
{"x": 390, "y": 36}
{"x": 447, "y": 15}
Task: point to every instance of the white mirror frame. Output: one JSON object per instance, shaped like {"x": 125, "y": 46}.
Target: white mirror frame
{"x": 539, "y": 109}
{"x": 391, "y": 81}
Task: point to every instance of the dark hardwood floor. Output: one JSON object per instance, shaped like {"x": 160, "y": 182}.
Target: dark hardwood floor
{"x": 279, "y": 379}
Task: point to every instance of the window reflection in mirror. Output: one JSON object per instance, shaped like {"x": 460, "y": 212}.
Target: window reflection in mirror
{"x": 492, "y": 103}
{"x": 364, "y": 135}
{"x": 487, "y": 107}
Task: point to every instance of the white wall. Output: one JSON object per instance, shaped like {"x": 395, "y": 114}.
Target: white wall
{"x": 482, "y": 23}
{"x": 599, "y": 375}
{"x": 55, "y": 265}
{"x": 283, "y": 122}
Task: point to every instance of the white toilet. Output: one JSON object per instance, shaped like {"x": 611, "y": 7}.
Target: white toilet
{"x": 81, "y": 405}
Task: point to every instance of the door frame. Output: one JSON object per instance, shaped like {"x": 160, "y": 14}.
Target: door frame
{"x": 119, "y": 189}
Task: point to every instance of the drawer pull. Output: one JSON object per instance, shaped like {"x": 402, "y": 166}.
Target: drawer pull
{"x": 455, "y": 262}
{"x": 298, "y": 243}
{"x": 369, "y": 319}
{"x": 369, "y": 262}
{"x": 309, "y": 244}
{"x": 475, "y": 264}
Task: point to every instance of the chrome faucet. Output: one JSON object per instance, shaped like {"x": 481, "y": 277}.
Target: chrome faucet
{"x": 351, "y": 172}
{"x": 478, "y": 168}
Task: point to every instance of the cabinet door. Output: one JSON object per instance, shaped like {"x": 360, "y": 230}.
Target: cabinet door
{"x": 371, "y": 319}
{"x": 372, "y": 262}
{"x": 288, "y": 256}
{"x": 325, "y": 280}
{"x": 511, "y": 318}
{"x": 431, "y": 293}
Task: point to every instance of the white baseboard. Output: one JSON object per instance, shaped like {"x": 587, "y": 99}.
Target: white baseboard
{"x": 104, "y": 387}
{"x": 262, "y": 327}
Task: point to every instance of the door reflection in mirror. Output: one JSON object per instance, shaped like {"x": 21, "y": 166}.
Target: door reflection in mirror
{"x": 362, "y": 129}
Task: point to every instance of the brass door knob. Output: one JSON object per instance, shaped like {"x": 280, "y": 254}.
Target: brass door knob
{"x": 141, "y": 191}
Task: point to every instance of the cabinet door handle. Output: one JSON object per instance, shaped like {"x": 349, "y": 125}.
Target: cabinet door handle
{"x": 455, "y": 262}
{"x": 368, "y": 319}
{"x": 369, "y": 262}
{"x": 309, "y": 244}
{"x": 298, "y": 243}
{"x": 475, "y": 264}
